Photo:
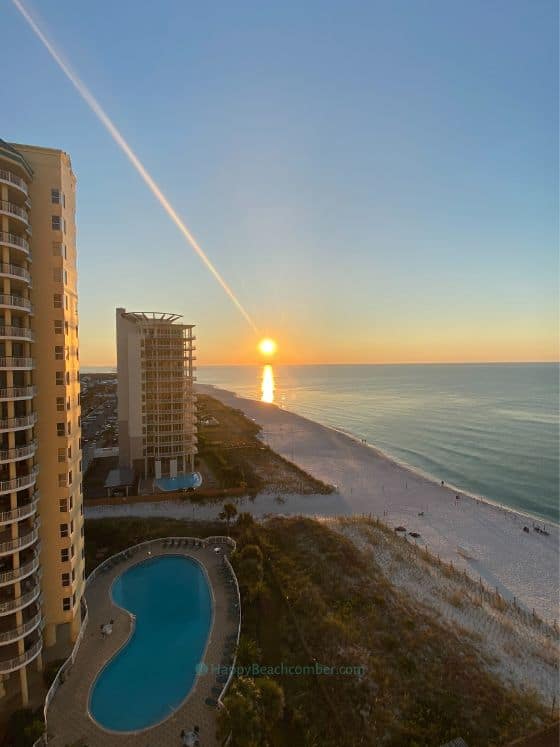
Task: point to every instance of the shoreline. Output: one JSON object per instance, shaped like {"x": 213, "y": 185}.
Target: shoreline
{"x": 413, "y": 469}
{"x": 491, "y": 542}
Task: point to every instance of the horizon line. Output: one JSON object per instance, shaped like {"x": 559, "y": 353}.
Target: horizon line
{"x": 351, "y": 363}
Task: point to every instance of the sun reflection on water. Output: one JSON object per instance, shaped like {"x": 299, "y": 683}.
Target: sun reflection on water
{"x": 267, "y": 385}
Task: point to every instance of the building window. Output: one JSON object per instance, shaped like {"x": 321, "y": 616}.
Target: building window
{"x": 60, "y": 430}
{"x": 70, "y": 478}
{"x": 64, "y": 530}
{"x": 58, "y": 327}
{"x": 65, "y": 555}
{"x": 59, "y": 378}
{"x": 69, "y": 452}
{"x": 57, "y": 300}
{"x": 71, "y": 503}
{"x": 62, "y": 481}
{"x": 65, "y": 579}
{"x": 61, "y": 455}
{"x": 60, "y": 405}
{"x": 72, "y": 527}
{"x": 67, "y": 604}
{"x": 72, "y": 551}
{"x": 56, "y": 223}
{"x": 57, "y": 275}
{"x": 64, "y": 225}
{"x": 65, "y": 278}
{"x": 63, "y": 504}
{"x": 73, "y": 575}
{"x": 56, "y": 196}
{"x": 69, "y": 428}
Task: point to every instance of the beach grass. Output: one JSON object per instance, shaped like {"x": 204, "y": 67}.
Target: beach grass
{"x": 319, "y": 601}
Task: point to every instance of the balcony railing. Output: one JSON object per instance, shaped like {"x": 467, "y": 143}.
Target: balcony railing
{"x": 10, "y": 665}
{"x": 15, "y": 271}
{"x": 18, "y": 483}
{"x": 16, "y": 302}
{"x": 20, "y": 333}
{"x": 14, "y": 634}
{"x": 27, "y": 363}
{"x": 20, "y": 452}
{"x": 11, "y": 209}
{"x": 18, "y": 543}
{"x": 17, "y": 603}
{"x": 11, "y": 424}
{"x": 13, "y": 179}
{"x": 17, "y": 574}
{"x": 17, "y": 392}
{"x": 17, "y": 242}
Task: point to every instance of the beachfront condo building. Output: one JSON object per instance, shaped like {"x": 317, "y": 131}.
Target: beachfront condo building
{"x": 41, "y": 522}
{"x": 156, "y": 400}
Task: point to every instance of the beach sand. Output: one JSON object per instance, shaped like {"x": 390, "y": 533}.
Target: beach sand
{"x": 482, "y": 538}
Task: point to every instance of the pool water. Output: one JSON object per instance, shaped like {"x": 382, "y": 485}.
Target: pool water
{"x": 180, "y": 482}
{"x": 150, "y": 677}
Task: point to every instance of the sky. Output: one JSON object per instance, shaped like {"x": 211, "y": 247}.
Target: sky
{"x": 377, "y": 181}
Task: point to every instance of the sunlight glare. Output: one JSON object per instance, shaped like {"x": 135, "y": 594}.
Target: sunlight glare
{"x": 267, "y": 386}
{"x": 267, "y": 346}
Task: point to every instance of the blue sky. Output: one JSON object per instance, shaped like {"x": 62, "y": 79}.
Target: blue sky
{"x": 376, "y": 180}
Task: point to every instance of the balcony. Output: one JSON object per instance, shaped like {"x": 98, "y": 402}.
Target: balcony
{"x": 24, "y": 600}
{"x": 14, "y": 211}
{"x": 12, "y": 180}
{"x": 25, "y": 570}
{"x": 19, "y": 543}
{"x": 17, "y": 662}
{"x": 20, "y": 631}
{"x": 15, "y": 271}
{"x": 26, "y": 364}
{"x": 16, "y": 302}
{"x": 18, "y": 483}
{"x": 15, "y": 242}
{"x": 17, "y": 333}
{"x": 17, "y": 424}
{"x": 20, "y": 452}
{"x": 17, "y": 392}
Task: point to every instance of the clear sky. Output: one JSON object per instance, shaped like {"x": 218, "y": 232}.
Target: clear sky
{"x": 376, "y": 180}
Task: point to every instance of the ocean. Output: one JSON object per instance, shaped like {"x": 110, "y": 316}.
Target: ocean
{"x": 490, "y": 429}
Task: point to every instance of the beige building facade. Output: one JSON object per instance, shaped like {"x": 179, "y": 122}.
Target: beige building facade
{"x": 156, "y": 400}
{"x": 42, "y": 569}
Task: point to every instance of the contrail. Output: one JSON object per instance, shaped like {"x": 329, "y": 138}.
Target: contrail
{"x": 104, "y": 118}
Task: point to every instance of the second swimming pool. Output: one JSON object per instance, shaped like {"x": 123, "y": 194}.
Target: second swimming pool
{"x": 153, "y": 673}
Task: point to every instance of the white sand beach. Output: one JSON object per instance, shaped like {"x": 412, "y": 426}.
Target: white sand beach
{"x": 484, "y": 539}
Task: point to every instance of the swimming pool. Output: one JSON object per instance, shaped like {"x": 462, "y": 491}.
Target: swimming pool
{"x": 180, "y": 482}
{"x": 153, "y": 673}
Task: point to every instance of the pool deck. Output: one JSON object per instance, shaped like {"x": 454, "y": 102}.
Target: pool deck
{"x": 68, "y": 720}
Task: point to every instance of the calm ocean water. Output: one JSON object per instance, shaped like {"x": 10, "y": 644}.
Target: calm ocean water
{"x": 492, "y": 430}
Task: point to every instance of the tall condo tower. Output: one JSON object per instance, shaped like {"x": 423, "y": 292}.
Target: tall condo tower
{"x": 157, "y": 423}
{"x": 41, "y": 518}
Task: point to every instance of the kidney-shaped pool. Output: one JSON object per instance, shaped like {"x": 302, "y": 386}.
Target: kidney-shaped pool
{"x": 151, "y": 675}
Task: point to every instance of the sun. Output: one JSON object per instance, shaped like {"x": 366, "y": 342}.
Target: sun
{"x": 267, "y": 346}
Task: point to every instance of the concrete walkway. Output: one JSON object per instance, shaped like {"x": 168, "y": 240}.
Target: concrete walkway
{"x": 68, "y": 721}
